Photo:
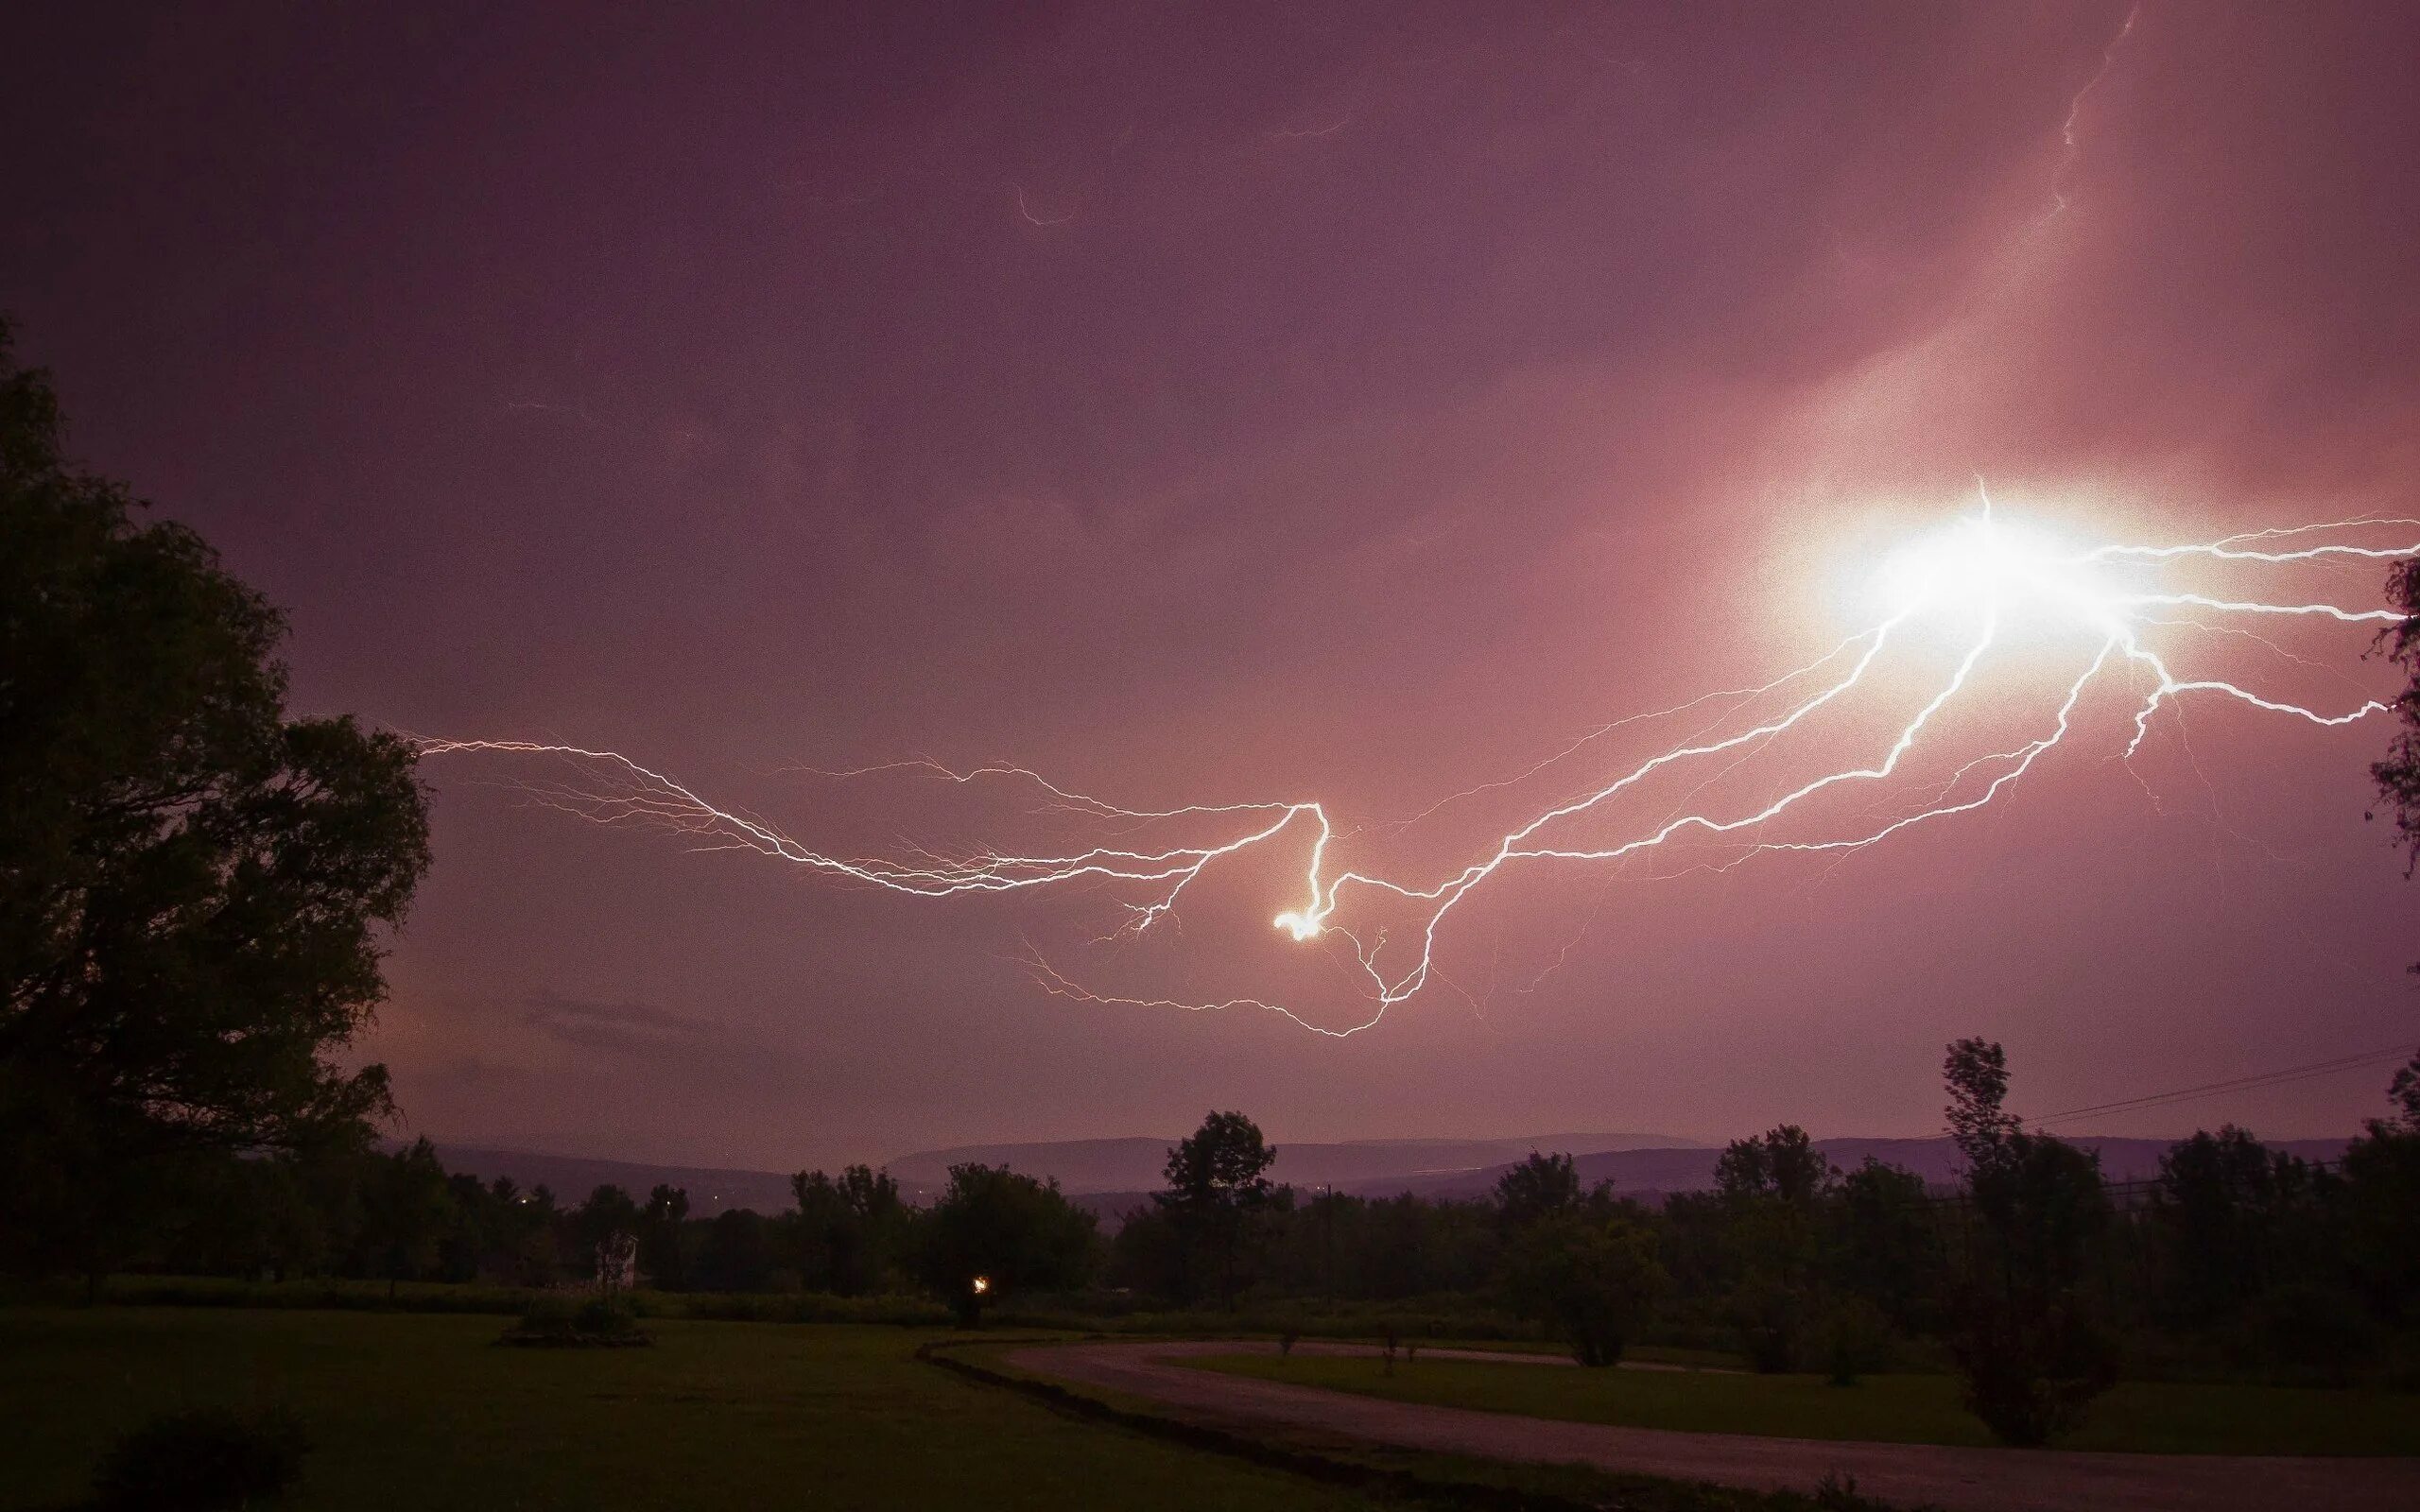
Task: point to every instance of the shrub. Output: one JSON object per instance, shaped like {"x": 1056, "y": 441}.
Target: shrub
{"x": 1852, "y": 1340}
{"x": 1772, "y": 1330}
{"x": 2316, "y": 1335}
{"x": 2031, "y": 1370}
{"x": 567, "y": 1322}
{"x": 1594, "y": 1283}
{"x": 201, "y": 1460}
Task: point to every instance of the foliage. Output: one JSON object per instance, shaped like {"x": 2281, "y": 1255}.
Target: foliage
{"x": 1886, "y": 1245}
{"x": 1541, "y": 1186}
{"x": 2029, "y": 1342}
{"x": 567, "y": 1320}
{"x": 1771, "y": 1188}
{"x": 851, "y": 1232}
{"x": 192, "y": 884}
{"x": 2231, "y": 1220}
{"x": 200, "y": 1461}
{"x": 2398, "y": 773}
{"x": 1591, "y": 1281}
{"x": 408, "y": 1211}
{"x": 1009, "y": 1231}
{"x": 2382, "y": 1177}
{"x": 738, "y": 1253}
{"x": 1852, "y": 1340}
{"x": 659, "y": 1257}
{"x": 1217, "y": 1182}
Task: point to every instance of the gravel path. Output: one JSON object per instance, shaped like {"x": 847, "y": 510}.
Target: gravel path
{"x": 1965, "y": 1479}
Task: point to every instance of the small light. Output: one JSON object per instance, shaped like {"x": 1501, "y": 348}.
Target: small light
{"x": 982, "y": 1284}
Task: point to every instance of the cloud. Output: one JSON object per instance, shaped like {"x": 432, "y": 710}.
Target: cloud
{"x": 622, "y": 1028}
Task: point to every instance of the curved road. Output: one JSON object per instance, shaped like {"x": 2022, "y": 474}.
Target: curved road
{"x": 1967, "y": 1480}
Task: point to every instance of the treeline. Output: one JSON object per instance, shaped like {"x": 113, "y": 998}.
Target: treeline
{"x": 348, "y": 1209}
{"x": 2029, "y": 1279}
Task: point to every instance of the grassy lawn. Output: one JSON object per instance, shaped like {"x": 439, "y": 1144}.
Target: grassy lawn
{"x": 1909, "y": 1409}
{"x": 419, "y": 1411}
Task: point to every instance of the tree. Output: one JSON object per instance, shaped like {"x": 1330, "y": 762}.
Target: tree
{"x": 2381, "y": 1174}
{"x": 192, "y": 884}
{"x": 1218, "y": 1182}
{"x": 1539, "y": 1187}
{"x": 1782, "y": 1165}
{"x": 525, "y": 1233}
{"x": 2398, "y": 775}
{"x": 660, "y": 1256}
{"x": 1593, "y": 1282}
{"x": 737, "y": 1254}
{"x": 849, "y": 1230}
{"x": 996, "y": 1233}
{"x": 1887, "y": 1248}
{"x": 406, "y": 1213}
{"x": 1975, "y": 1073}
{"x": 608, "y": 1212}
{"x": 2029, "y": 1345}
{"x": 1770, "y": 1188}
{"x": 2231, "y": 1219}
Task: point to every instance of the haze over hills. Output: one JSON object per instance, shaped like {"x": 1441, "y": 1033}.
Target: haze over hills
{"x": 1136, "y": 1165}
{"x": 1113, "y": 1177}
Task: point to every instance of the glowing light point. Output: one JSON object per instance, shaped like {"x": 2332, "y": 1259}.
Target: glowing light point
{"x": 1302, "y": 927}
{"x": 982, "y": 1284}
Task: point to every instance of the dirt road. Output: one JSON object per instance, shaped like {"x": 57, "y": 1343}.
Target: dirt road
{"x": 1965, "y": 1479}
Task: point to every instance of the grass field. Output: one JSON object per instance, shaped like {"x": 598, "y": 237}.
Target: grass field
{"x": 419, "y": 1411}
{"x": 2162, "y": 1418}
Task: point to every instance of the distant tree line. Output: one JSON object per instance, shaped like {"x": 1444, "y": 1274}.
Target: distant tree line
{"x": 2027, "y": 1280}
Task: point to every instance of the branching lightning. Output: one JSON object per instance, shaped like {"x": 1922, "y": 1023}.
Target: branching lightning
{"x": 1968, "y": 595}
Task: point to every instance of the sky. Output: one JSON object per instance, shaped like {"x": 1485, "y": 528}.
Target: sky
{"x": 1259, "y": 403}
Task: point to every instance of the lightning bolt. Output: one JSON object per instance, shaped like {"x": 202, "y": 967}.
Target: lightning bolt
{"x": 1955, "y": 596}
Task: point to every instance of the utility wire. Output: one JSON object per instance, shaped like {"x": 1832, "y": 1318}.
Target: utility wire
{"x": 2276, "y": 1077}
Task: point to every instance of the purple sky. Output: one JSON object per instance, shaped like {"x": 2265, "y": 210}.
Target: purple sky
{"x": 1247, "y": 401}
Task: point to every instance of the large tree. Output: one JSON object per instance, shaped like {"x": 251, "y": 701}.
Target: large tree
{"x": 2398, "y": 775}
{"x": 193, "y": 886}
{"x": 1217, "y": 1183}
{"x": 997, "y": 1232}
{"x": 2030, "y": 1343}
{"x": 1772, "y": 1188}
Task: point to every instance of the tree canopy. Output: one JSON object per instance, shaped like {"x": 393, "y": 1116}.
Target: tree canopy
{"x": 193, "y": 884}
{"x": 2398, "y": 775}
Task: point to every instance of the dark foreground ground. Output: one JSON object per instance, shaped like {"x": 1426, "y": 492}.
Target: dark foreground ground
{"x": 415, "y": 1412}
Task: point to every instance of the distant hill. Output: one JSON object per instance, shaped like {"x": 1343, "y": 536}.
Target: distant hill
{"x": 1130, "y": 1165}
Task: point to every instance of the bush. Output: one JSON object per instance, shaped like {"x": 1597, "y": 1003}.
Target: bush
{"x": 1853, "y": 1340}
{"x": 567, "y": 1322}
{"x": 200, "y": 1461}
{"x": 1772, "y": 1329}
{"x": 2313, "y": 1335}
{"x": 2031, "y": 1371}
{"x": 1594, "y": 1283}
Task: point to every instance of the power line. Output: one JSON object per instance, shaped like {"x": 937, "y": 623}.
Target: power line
{"x": 2276, "y": 1077}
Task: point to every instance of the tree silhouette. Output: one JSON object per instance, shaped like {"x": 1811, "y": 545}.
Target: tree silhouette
{"x": 2398, "y": 775}
{"x": 192, "y": 884}
{"x": 1216, "y": 1182}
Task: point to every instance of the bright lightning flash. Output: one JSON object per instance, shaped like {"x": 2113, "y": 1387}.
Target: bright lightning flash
{"x": 1970, "y": 588}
